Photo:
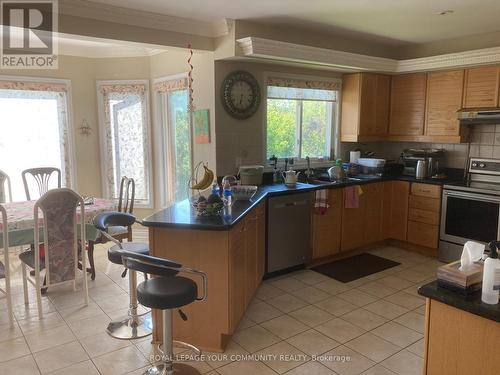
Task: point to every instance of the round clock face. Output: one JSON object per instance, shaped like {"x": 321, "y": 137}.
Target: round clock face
{"x": 240, "y": 94}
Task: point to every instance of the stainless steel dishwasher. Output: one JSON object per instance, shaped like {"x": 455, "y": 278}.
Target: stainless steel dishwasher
{"x": 288, "y": 231}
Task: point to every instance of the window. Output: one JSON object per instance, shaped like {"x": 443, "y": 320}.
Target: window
{"x": 34, "y": 129}
{"x": 175, "y": 149}
{"x": 125, "y": 140}
{"x": 300, "y": 118}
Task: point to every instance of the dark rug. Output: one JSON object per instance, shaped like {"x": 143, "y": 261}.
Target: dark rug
{"x": 355, "y": 267}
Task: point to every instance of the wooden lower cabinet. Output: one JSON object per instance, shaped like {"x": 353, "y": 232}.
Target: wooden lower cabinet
{"x": 423, "y": 234}
{"x": 424, "y": 215}
{"x": 374, "y": 196}
{"x": 458, "y": 342}
{"x": 234, "y": 262}
{"x": 327, "y": 228}
{"x": 237, "y": 272}
{"x": 395, "y": 209}
{"x": 362, "y": 225}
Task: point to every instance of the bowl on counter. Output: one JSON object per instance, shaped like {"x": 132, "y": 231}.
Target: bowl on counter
{"x": 243, "y": 192}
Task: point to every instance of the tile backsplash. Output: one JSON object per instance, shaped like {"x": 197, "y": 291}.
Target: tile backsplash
{"x": 485, "y": 143}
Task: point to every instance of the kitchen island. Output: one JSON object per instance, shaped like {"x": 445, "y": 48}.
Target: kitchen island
{"x": 461, "y": 334}
{"x": 231, "y": 248}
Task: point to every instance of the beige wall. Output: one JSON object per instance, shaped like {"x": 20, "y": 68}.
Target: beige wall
{"x": 242, "y": 141}
{"x": 175, "y": 62}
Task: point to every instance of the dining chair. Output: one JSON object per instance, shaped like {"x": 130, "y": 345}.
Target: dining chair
{"x": 42, "y": 177}
{"x": 4, "y": 267}
{"x": 60, "y": 257}
{"x": 126, "y": 205}
{"x": 5, "y": 180}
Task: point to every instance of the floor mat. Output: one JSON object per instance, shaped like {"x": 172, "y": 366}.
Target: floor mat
{"x": 355, "y": 267}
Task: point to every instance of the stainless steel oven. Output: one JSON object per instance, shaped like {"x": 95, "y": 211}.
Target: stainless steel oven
{"x": 471, "y": 209}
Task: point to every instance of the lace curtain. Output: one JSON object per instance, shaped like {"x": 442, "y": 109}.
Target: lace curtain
{"x": 126, "y": 138}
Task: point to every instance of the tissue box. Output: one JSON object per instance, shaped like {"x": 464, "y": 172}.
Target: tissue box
{"x": 464, "y": 282}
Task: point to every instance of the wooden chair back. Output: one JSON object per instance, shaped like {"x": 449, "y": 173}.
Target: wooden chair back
{"x": 127, "y": 195}
{"x": 5, "y": 266}
{"x": 42, "y": 177}
{"x": 60, "y": 230}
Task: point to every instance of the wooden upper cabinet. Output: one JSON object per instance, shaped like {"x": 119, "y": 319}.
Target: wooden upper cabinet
{"x": 365, "y": 107}
{"x": 481, "y": 87}
{"x": 444, "y": 99}
{"x": 407, "y": 104}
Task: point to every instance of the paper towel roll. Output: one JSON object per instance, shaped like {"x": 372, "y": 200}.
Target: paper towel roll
{"x": 354, "y": 156}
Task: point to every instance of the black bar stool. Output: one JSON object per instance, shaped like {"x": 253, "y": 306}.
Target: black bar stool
{"x": 134, "y": 325}
{"x": 167, "y": 291}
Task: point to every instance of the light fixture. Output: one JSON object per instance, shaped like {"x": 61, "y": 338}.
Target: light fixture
{"x": 446, "y": 12}
{"x": 85, "y": 128}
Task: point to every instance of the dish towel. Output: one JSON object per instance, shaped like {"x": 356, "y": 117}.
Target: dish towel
{"x": 321, "y": 202}
{"x": 352, "y": 194}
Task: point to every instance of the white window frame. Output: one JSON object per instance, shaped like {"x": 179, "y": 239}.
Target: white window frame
{"x": 162, "y": 141}
{"x": 69, "y": 114}
{"x": 102, "y": 135}
{"x": 333, "y": 138}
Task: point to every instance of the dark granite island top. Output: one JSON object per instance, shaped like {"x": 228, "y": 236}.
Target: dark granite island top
{"x": 182, "y": 215}
{"x": 470, "y": 304}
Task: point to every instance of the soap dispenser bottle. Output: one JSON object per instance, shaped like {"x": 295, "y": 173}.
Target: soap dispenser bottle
{"x": 491, "y": 276}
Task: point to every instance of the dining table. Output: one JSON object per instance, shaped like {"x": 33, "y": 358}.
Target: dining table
{"x": 21, "y": 223}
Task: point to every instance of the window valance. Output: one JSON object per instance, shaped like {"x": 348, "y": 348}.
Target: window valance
{"x": 105, "y": 89}
{"x": 170, "y": 85}
{"x": 315, "y": 84}
{"x": 33, "y": 86}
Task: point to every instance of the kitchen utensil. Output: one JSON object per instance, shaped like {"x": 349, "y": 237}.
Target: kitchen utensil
{"x": 421, "y": 169}
{"x": 354, "y": 156}
{"x": 251, "y": 174}
{"x": 244, "y": 192}
{"x": 290, "y": 177}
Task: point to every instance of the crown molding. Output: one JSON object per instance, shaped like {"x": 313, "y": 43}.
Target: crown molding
{"x": 475, "y": 57}
{"x": 127, "y": 16}
{"x": 284, "y": 51}
{"x": 277, "y": 50}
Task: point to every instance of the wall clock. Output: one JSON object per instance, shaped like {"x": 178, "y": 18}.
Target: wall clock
{"x": 240, "y": 94}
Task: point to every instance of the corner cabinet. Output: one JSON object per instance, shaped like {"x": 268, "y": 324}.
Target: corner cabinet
{"x": 444, "y": 99}
{"x": 481, "y": 87}
{"x": 407, "y": 113}
{"x": 365, "y": 107}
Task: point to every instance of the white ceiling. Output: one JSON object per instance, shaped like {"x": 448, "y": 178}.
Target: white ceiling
{"x": 398, "y": 21}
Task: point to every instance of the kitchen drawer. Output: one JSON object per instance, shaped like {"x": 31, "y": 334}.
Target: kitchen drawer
{"x": 423, "y": 216}
{"x": 426, "y": 190}
{"x": 423, "y": 234}
{"x": 425, "y": 203}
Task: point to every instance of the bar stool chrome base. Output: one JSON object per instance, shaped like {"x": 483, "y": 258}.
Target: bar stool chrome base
{"x": 178, "y": 369}
{"x": 131, "y": 327}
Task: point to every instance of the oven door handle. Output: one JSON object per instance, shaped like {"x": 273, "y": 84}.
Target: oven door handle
{"x": 478, "y": 197}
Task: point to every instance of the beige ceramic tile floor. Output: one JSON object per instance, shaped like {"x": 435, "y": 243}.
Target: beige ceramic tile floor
{"x": 371, "y": 326}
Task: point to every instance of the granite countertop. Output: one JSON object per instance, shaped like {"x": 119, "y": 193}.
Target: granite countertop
{"x": 182, "y": 215}
{"x": 471, "y": 304}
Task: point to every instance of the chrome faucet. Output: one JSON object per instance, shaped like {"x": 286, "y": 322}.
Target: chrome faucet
{"x": 308, "y": 172}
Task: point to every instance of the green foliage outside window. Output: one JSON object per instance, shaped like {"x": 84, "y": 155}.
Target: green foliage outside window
{"x": 282, "y": 128}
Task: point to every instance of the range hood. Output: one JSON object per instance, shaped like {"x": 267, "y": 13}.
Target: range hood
{"x": 479, "y": 116}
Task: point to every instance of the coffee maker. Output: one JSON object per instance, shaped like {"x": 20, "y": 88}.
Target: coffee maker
{"x": 433, "y": 157}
